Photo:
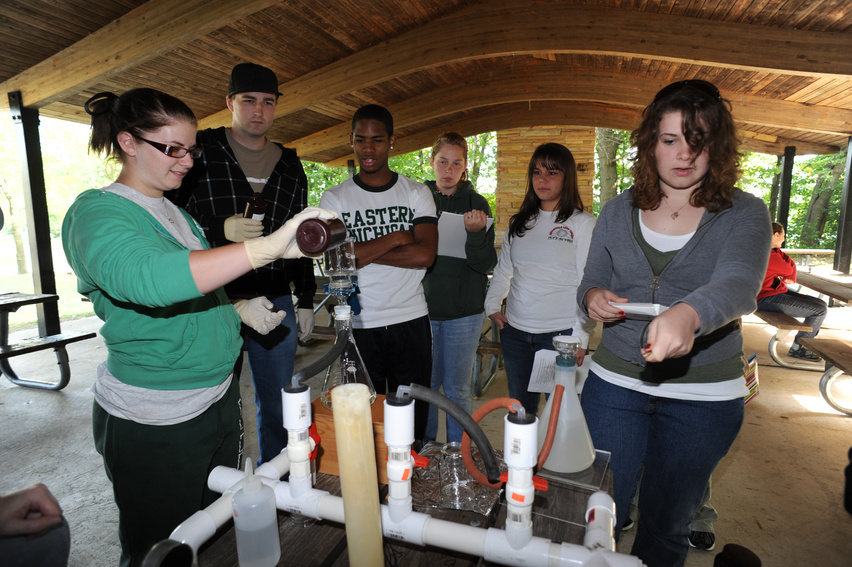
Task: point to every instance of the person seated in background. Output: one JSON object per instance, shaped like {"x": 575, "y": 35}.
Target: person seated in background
{"x": 774, "y": 295}
{"x": 33, "y": 532}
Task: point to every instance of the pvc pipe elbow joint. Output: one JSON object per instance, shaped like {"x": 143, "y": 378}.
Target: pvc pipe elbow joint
{"x": 276, "y": 467}
{"x": 307, "y": 503}
{"x": 399, "y": 507}
{"x": 202, "y": 525}
{"x": 536, "y": 552}
{"x": 408, "y": 528}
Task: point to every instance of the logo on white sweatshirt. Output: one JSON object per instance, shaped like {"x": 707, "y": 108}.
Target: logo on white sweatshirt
{"x": 562, "y": 233}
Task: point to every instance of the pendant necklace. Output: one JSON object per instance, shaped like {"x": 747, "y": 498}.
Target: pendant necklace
{"x": 676, "y": 213}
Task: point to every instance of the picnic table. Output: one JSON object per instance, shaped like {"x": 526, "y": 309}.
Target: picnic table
{"x": 11, "y": 302}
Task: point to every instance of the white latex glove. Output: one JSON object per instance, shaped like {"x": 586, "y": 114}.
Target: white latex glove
{"x": 256, "y": 314}
{"x": 282, "y": 242}
{"x": 306, "y": 323}
{"x": 239, "y": 229}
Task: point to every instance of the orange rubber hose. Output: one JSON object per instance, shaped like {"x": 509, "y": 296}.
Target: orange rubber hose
{"x": 551, "y": 426}
{"x": 482, "y": 411}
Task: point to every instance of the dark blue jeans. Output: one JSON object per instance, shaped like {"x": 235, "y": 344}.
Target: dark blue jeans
{"x": 519, "y": 348}
{"x": 813, "y": 309}
{"x": 271, "y": 358}
{"x": 680, "y": 442}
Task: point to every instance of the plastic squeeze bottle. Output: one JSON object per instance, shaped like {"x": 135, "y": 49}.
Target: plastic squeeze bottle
{"x": 256, "y": 523}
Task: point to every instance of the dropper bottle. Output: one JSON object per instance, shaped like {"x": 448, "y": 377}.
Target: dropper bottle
{"x": 256, "y": 523}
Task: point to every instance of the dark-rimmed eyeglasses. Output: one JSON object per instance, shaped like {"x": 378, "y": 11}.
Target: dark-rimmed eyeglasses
{"x": 176, "y": 152}
{"x": 705, "y": 87}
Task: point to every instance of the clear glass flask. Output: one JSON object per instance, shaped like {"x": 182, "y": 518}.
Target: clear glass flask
{"x": 457, "y": 485}
{"x": 572, "y": 450}
{"x": 349, "y": 368}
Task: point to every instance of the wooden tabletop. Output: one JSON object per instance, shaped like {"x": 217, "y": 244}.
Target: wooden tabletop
{"x": 837, "y": 287}
{"x": 558, "y": 514}
{"x": 834, "y": 351}
{"x": 11, "y": 301}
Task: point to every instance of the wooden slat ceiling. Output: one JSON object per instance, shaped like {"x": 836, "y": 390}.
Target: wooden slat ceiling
{"x": 466, "y": 65}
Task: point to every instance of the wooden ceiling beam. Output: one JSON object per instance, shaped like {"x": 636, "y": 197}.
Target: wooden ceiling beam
{"x": 525, "y": 115}
{"x": 515, "y": 84}
{"x": 499, "y": 28}
{"x": 151, "y": 30}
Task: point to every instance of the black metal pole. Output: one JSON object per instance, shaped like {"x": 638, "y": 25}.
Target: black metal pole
{"x": 843, "y": 246}
{"x": 786, "y": 185}
{"x": 35, "y": 198}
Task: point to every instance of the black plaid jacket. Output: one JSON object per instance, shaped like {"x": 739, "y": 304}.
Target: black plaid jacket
{"x": 216, "y": 188}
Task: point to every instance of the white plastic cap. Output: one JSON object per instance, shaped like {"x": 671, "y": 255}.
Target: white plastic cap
{"x": 342, "y": 312}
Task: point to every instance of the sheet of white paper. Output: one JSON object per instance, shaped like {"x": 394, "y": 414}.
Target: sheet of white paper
{"x": 543, "y": 378}
{"x": 452, "y": 235}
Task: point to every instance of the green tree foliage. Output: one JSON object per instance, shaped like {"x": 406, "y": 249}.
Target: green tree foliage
{"x": 612, "y": 164}
{"x": 818, "y": 184}
{"x": 814, "y": 195}
{"x": 321, "y": 178}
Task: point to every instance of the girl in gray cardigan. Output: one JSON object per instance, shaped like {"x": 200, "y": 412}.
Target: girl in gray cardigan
{"x": 667, "y": 392}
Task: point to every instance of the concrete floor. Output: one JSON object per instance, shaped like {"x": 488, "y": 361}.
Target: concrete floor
{"x": 778, "y": 492}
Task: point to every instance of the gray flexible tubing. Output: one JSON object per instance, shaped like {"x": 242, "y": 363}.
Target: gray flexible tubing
{"x": 492, "y": 468}
{"x": 324, "y": 361}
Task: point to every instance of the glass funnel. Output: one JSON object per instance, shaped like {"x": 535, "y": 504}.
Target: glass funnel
{"x": 348, "y": 368}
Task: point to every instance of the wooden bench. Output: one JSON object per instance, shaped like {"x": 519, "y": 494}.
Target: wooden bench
{"x": 784, "y": 325}
{"x": 10, "y": 302}
{"x": 838, "y": 361}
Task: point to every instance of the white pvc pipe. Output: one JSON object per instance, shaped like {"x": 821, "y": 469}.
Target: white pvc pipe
{"x": 416, "y": 528}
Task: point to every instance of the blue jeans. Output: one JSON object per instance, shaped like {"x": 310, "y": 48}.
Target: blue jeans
{"x": 271, "y": 359}
{"x": 680, "y": 442}
{"x": 519, "y": 348}
{"x": 454, "y": 344}
{"x": 813, "y": 309}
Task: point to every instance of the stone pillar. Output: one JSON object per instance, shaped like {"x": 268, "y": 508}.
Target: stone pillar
{"x": 514, "y": 149}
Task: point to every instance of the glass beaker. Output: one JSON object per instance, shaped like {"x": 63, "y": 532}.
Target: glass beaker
{"x": 457, "y": 488}
{"x": 339, "y": 266}
{"x": 349, "y": 367}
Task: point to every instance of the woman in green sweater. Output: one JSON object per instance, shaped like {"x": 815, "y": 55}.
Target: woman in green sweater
{"x": 455, "y": 284}
{"x": 166, "y": 409}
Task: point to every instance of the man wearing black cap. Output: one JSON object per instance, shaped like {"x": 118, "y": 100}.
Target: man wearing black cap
{"x": 236, "y": 164}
